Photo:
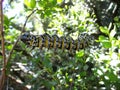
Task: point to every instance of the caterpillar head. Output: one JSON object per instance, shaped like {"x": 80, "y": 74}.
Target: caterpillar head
{"x": 28, "y": 39}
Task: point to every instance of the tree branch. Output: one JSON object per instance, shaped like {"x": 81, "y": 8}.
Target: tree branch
{"x": 3, "y": 76}
{"x": 23, "y": 30}
{"x": 18, "y": 27}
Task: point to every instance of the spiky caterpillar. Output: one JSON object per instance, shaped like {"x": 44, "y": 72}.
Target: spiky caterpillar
{"x": 84, "y": 40}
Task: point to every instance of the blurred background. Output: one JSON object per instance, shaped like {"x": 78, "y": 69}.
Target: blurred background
{"x": 93, "y": 68}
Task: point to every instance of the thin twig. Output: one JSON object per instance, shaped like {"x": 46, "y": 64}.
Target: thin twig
{"x": 9, "y": 56}
{"x": 2, "y": 77}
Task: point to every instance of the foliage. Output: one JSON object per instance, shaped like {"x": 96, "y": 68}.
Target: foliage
{"x": 96, "y": 67}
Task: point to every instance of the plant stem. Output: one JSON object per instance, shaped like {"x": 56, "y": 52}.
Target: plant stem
{"x": 3, "y": 76}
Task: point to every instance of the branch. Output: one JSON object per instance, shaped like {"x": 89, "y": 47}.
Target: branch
{"x": 23, "y": 30}
{"x": 2, "y": 77}
{"x": 18, "y": 27}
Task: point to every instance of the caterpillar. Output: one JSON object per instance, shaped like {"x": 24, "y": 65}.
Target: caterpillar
{"x": 45, "y": 40}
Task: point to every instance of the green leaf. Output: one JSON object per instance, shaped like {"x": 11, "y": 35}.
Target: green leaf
{"x": 53, "y": 2}
{"x": 101, "y": 38}
{"x": 59, "y": 1}
{"x": 106, "y": 44}
{"x": 116, "y": 19}
{"x": 41, "y": 4}
{"x": 52, "y": 88}
{"x": 83, "y": 73}
{"x": 104, "y": 30}
{"x": 80, "y": 53}
{"x": 30, "y": 3}
{"x": 112, "y": 76}
{"x": 106, "y": 61}
{"x": 9, "y": 47}
{"x": 47, "y": 63}
{"x": 6, "y": 20}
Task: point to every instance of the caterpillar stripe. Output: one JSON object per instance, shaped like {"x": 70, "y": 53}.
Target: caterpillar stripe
{"x": 84, "y": 40}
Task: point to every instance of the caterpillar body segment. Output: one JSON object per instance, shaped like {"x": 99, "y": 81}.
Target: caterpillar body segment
{"x": 63, "y": 42}
{"x": 84, "y": 40}
{"x": 40, "y": 41}
{"x": 56, "y": 42}
{"x": 47, "y": 40}
{"x": 77, "y": 45}
{"x": 71, "y": 44}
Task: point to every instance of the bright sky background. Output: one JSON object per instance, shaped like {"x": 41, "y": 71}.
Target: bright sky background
{"x": 17, "y": 11}
{"x": 18, "y": 7}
